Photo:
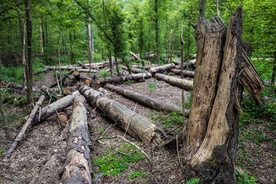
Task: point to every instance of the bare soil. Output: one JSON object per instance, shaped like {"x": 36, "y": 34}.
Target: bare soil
{"x": 39, "y": 158}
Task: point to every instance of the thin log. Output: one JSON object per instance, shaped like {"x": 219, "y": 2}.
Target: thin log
{"x": 24, "y": 128}
{"x": 161, "y": 69}
{"x": 118, "y": 79}
{"x": 182, "y": 83}
{"x": 54, "y": 107}
{"x": 145, "y": 100}
{"x": 78, "y": 167}
{"x": 133, "y": 123}
{"x": 186, "y": 73}
{"x": 135, "y": 56}
{"x": 63, "y": 67}
{"x": 83, "y": 65}
{"x": 7, "y": 84}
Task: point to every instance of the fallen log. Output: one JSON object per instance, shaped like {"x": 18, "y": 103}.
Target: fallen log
{"x": 182, "y": 83}
{"x": 133, "y": 70}
{"x": 133, "y": 123}
{"x": 135, "y": 56}
{"x": 189, "y": 64}
{"x": 78, "y": 166}
{"x": 82, "y": 65}
{"x": 118, "y": 79}
{"x": 186, "y": 73}
{"x": 55, "y": 107}
{"x": 161, "y": 69}
{"x": 24, "y": 128}
{"x": 6, "y": 84}
{"x": 63, "y": 67}
{"x": 145, "y": 100}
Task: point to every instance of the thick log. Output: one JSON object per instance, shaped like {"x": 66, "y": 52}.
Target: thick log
{"x": 24, "y": 128}
{"x": 119, "y": 79}
{"x": 186, "y": 73}
{"x": 189, "y": 64}
{"x": 182, "y": 83}
{"x": 63, "y": 67}
{"x": 145, "y": 100}
{"x": 55, "y": 107}
{"x": 161, "y": 69}
{"x": 133, "y": 70}
{"x": 78, "y": 166}
{"x": 6, "y": 84}
{"x": 133, "y": 123}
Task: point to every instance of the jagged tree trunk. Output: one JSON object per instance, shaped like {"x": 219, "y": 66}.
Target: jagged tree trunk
{"x": 213, "y": 121}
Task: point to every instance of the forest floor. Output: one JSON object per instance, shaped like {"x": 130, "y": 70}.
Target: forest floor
{"x": 29, "y": 163}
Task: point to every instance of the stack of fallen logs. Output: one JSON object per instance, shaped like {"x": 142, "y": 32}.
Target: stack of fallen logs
{"x": 77, "y": 90}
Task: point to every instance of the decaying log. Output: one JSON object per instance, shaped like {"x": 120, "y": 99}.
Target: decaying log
{"x": 78, "y": 166}
{"x": 118, "y": 79}
{"x": 182, "y": 83}
{"x": 145, "y": 100}
{"x": 186, "y": 73}
{"x": 133, "y": 70}
{"x": 54, "y": 107}
{"x": 63, "y": 67}
{"x": 6, "y": 84}
{"x": 65, "y": 91}
{"x": 161, "y": 69}
{"x": 189, "y": 64}
{"x": 87, "y": 70}
{"x": 62, "y": 117}
{"x": 24, "y": 128}
{"x": 99, "y": 65}
{"x": 133, "y": 123}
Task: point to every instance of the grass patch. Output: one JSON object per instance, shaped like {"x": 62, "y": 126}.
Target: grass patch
{"x": 169, "y": 120}
{"x": 113, "y": 162}
{"x": 151, "y": 86}
{"x": 136, "y": 174}
{"x": 104, "y": 73}
{"x": 244, "y": 178}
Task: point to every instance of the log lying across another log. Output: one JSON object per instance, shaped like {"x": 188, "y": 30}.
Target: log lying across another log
{"x": 182, "y": 83}
{"x": 162, "y": 68}
{"x": 78, "y": 166}
{"x": 118, "y": 79}
{"x": 54, "y": 107}
{"x": 24, "y": 128}
{"x": 186, "y": 73}
{"x": 133, "y": 123}
{"x": 145, "y": 100}
{"x": 133, "y": 70}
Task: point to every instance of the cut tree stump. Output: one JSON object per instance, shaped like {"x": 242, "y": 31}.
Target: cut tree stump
{"x": 186, "y": 73}
{"x": 145, "y": 100}
{"x": 55, "y": 107}
{"x": 119, "y": 79}
{"x": 131, "y": 122}
{"x": 161, "y": 69}
{"x": 182, "y": 83}
{"x": 24, "y": 128}
{"x": 78, "y": 167}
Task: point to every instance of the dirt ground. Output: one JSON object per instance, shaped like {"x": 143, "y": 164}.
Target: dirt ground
{"x": 39, "y": 158}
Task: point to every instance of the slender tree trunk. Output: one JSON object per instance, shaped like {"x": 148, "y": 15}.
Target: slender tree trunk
{"x": 29, "y": 71}
{"x": 63, "y": 43}
{"x": 72, "y": 54}
{"x": 273, "y": 71}
{"x": 156, "y": 24}
{"x": 202, "y": 5}
{"x": 41, "y": 38}
{"x": 89, "y": 42}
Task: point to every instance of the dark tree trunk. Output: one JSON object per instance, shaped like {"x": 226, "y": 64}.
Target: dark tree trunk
{"x": 273, "y": 71}
{"x": 156, "y": 25}
{"x": 29, "y": 71}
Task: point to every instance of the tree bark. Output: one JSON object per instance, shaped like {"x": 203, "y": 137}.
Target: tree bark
{"x": 185, "y": 73}
{"x": 145, "y": 100}
{"x": 118, "y": 79}
{"x": 133, "y": 123}
{"x": 161, "y": 69}
{"x": 55, "y": 107}
{"x": 78, "y": 166}
{"x": 29, "y": 71}
{"x": 133, "y": 70}
{"x": 214, "y": 158}
{"x": 182, "y": 83}
{"x": 24, "y": 128}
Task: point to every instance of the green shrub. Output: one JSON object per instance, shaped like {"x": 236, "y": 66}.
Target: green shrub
{"x": 244, "y": 178}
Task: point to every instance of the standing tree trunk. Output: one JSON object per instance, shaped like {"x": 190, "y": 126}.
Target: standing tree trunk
{"x": 89, "y": 41}
{"x": 213, "y": 121}
{"x": 29, "y": 70}
{"x": 273, "y": 71}
{"x": 156, "y": 25}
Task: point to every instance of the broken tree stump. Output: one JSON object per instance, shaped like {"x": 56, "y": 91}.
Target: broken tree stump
{"x": 55, "y": 107}
{"x": 24, "y": 128}
{"x": 145, "y": 100}
{"x": 182, "y": 83}
{"x": 118, "y": 79}
{"x": 134, "y": 124}
{"x": 78, "y": 167}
